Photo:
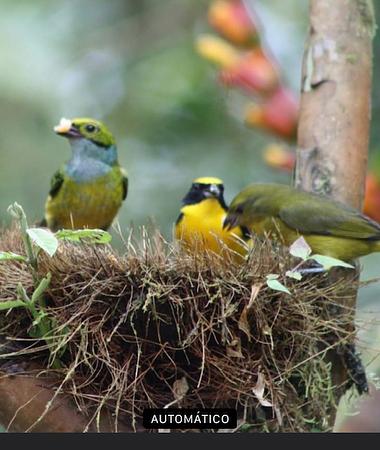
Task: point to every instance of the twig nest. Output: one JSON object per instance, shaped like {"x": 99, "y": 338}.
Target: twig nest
{"x": 157, "y": 327}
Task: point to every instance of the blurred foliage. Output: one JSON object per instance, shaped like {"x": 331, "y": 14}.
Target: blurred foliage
{"x": 132, "y": 64}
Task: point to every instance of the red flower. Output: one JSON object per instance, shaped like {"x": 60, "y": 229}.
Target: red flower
{"x": 278, "y": 114}
{"x": 372, "y": 197}
{"x": 253, "y": 72}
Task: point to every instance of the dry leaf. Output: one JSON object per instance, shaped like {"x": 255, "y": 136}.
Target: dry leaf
{"x": 244, "y": 324}
{"x": 254, "y": 293}
{"x": 300, "y": 249}
{"x": 180, "y": 388}
{"x": 234, "y": 349}
{"x": 278, "y": 414}
{"x": 243, "y": 320}
{"x": 258, "y": 390}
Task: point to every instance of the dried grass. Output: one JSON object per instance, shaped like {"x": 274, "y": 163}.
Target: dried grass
{"x": 157, "y": 327}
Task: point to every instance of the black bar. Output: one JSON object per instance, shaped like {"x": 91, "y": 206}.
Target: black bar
{"x": 180, "y": 418}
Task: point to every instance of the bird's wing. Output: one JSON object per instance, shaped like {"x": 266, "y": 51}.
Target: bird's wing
{"x": 125, "y": 183}
{"x": 56, "y": 183}
{"x": 179, "y": 218}
{"x": 246, "y": 235}
{"x": 329, "y": 218}
{"x": 125, "y": 187}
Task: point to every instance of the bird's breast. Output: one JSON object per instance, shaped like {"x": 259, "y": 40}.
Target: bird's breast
{"x": 201, "y": 227}
{"x": 91, "y": 204}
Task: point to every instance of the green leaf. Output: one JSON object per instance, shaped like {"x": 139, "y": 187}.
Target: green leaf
{"x": 93, "y": 236}
{"x": 11, "y": 304}
{"x": 44, "y": 239}
{"x": 294, "y": 274}
{"x": 41, "y": 288}
{"x": 274, "y": 284}
{"x": 272, "y": 276}
{"x": 41, "y": 316}
{"x": 327, "y": 262}
{"x": 10, "y": 256}
{"x": 21, "y": 292}
{"x": 300, "y": 249}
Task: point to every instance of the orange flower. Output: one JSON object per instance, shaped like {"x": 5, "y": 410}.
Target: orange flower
{"x": 372, "y": 197}
{"x": 253, "y": 72}
{"x": 278, "y": 157}
{"x": 231, "y": 19}
{"x": 278, "y": 114}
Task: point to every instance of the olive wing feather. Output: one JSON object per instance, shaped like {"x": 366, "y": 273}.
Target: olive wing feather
{"x": 329, "y": 218}
{"x": 125, "y": 183}
{"x": 56, "y": 183}
{"x": 125, "y": 187}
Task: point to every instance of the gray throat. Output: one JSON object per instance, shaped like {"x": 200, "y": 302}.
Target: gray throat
{"x": 83, "y": 169}
{"x": 89, "y": 161}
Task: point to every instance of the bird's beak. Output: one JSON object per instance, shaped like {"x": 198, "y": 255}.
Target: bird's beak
{"x": 231, "y": 221}
{"x": 65, "y": 128}
{"x": 212, "y": 191}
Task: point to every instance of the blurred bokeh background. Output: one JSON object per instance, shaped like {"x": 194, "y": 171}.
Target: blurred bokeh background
{"x": 133, "y": 64}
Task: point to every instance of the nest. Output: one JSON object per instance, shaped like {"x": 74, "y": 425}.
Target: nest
{"x": 159, "y": 327}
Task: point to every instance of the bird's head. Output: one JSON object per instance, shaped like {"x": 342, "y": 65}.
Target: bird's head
{"x": 242, "y": 208}
{"x": 247, "y": 205}
{"x": 205, "y": 188}
{"x": 89, "y": 138}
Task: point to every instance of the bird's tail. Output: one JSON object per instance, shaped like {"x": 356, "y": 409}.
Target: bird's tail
{"x": 376, "y": 246}
{"x": 355, "y": 368}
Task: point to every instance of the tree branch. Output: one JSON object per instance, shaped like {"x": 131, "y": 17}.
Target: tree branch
{"x": 334, "y": 121}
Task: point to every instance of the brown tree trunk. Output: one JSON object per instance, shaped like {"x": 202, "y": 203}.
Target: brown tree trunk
{"x": 336, "y": 99}
{"x": 335, "y": 110}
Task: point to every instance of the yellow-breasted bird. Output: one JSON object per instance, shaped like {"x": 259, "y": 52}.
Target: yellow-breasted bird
{"x": 89, "y": 189}
{"x": 200, "y": 223}
{"x": 329, "y": 227}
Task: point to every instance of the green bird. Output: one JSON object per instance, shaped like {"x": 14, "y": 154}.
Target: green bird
{"x": 329, "y": 227}
{"x": 89, "y": 189}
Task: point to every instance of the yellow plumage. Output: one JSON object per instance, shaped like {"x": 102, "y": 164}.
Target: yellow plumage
{"x": 200, "y": 224}
{"x": 86, "y": 205}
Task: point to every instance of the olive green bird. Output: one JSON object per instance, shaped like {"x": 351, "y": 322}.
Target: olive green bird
{"x": 89, "y": 189}
{"x": 329, "y": 227}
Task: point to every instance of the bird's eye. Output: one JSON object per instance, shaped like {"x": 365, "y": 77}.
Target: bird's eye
{"x": 239, "y": 209}
{"x": 90, "y": 128}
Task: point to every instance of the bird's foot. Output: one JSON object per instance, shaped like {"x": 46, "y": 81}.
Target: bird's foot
{"x": 312, "y": 270}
